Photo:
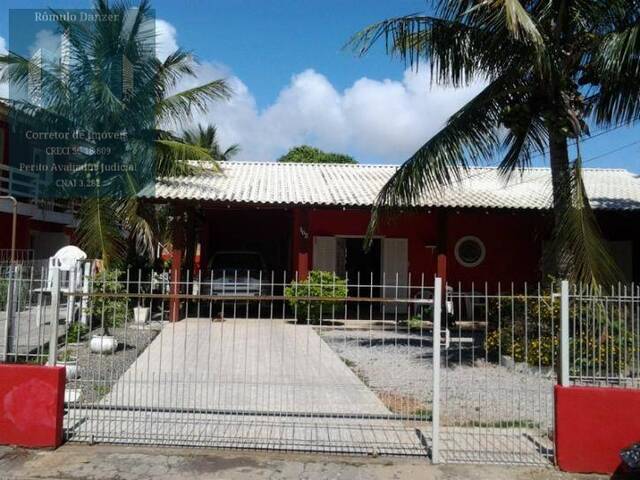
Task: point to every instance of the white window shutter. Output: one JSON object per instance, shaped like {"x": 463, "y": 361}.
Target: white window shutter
{"x": 395, "y": 269}
{"x": 324, "y": 254}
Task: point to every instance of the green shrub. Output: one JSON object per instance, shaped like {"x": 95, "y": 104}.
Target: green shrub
{"x": 106, "y": 304}
{"x": 318, "y": 284}
{"x": 76, "y": 332}
{"x": 415, "y": 323}
{"x": 608, "y": 350}
{"x": 531, "y": 349}
{"x": 536, "y": 341}
{"x": 524, "y": 328}
{"x": 21, "y": 290}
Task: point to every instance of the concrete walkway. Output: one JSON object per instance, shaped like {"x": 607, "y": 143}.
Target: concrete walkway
{"x": 243, "y": 365}
{"x": 32, "y": 336}
{"x": 136, "y": 463}
{"x": 245, "y": 383}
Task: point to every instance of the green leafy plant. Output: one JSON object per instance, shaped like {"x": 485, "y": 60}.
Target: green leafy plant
{"x": 88, "y": 96}
{"x": 307, "y": 154}
{"x": 327, "y": 290}
{"x": 20, "y": 292}
{"x": 415, "y": 323}
{"x": 528, "y": 330}
{"x": 524, "y": 328}
{"x": 108, "y": 306}
{"x": 603, "y": 343}
{"x": 77, "y": 332}
{"x": 101, "y": 390}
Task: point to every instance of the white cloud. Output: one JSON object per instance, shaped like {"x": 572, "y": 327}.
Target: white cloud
{"x": 374, "y": 120}
{"x": 47, "y": 42}
{"x": 384, "y": 120}
{"x": 165, "y": 39}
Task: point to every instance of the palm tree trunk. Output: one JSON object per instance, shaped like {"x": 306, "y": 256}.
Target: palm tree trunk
{"x": 561, "y": 188}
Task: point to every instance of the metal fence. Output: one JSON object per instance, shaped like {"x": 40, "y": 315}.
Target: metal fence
{"x": 361, "y": 366}
{"x": 603, "y": 335}
{"x": 497, "y": 375}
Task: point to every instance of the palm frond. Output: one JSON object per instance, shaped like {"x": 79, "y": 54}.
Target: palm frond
{"x": 471, "y": 136}
{"x": 98, "y": 231}
{"x": 510, "y": 14}
{"x": 176, "y": 158}
{"x": 230, "y": 152}
{"x": 617, "y": 63}
{"x": 520, "y": 144}
{"x": 578, "y": 241}
{"x": 179, "y": 107}
{"x": 456, "y": 50}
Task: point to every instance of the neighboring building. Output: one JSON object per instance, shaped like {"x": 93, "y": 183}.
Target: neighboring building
{"x": 304, "y": 216}
{"x": 44, "y": 225}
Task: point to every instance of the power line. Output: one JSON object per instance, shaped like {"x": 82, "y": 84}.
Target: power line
{"x": 490, "y": 168}
{"x": 591, "y": 159}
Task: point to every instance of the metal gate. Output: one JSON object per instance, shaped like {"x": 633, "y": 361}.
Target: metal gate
{"x": 494, "y": 377}
{"x": 358, "y": 366}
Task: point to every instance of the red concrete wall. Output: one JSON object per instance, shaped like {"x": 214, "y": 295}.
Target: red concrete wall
{"x": 593, "y": 425}
{"x": 23, "y": 229}
{"x": 419, "y": 229}
{"x": 513, "y": 242}
{"x": 31, "y": 405}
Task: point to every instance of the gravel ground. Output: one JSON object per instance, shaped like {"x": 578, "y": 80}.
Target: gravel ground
{"x": 99, "y": 372}
{"x": 399, "y": 366}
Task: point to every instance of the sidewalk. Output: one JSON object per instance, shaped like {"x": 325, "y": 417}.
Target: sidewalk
{"x": 136, "y": 463}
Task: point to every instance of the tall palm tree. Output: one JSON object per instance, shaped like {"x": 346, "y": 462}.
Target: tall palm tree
{"x": 112, "y": 81}
{"x": 206, "y": 137}
{"x": 551, "y": 68}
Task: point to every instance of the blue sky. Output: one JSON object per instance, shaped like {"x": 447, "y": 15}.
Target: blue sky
{"x": 294, "y": 83}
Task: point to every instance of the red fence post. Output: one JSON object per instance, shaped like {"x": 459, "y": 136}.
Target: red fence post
{"x": 592, "y": 425}
{"x": 31, "y": 405}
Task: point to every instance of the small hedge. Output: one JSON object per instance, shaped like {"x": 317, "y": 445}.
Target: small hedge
{"x": 318, "y": 284}
{"x": 104, "y": 306}
{"x": 534, "y": 341}
{"x": 537, "y": 341}
{"x": 20, "y": 292}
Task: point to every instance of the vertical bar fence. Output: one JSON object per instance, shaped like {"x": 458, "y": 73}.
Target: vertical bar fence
{"x": 364, "y": 364}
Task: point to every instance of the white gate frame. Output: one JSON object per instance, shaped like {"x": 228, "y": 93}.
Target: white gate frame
{"x": 435, "y": 410}
{"x": 564, "y": 379}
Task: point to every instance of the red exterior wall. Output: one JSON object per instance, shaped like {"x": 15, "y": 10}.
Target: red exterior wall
{"x": 23, "y": 229}
{"x": 419, "y": 229}
{"x": 593, "y": 425}
{"x": 31, "y": 405}
{"x": 513, "y": 242}
{"x": 513, "y": 245}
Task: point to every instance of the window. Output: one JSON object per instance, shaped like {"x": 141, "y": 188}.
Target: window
{"x": 470, "y": 251}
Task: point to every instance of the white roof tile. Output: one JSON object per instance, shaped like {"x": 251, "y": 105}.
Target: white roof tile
{"x": 358, "y": 185}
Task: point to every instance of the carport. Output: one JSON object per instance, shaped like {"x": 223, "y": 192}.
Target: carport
{"x": 263, "y": 230}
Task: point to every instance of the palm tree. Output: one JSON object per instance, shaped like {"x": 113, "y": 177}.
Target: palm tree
{"x": 551, "y": 67}
{"x": 113, "y": 84}
{"x": 206, "y": 137}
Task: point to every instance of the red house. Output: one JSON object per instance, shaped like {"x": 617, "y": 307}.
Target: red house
{"x": 314, "y": 216}
{"x": 43, "y": 225}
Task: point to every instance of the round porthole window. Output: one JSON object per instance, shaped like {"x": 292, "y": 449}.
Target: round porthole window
{"x": 470, "y": 251}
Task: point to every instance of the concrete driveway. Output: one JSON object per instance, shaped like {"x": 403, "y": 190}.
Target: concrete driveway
{"x": 245, "y": 383}
{"x": 243, "y": 365}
